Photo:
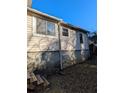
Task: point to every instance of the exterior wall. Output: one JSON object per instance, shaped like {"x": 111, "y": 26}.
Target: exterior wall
{"x": 68, "y": 42}
{"x": 41, "y": 42}
{"x": 72, "y": 51}
{"x": 29, "y": 27}
{"x": 43, "y": 50}
{"x": 44, "y": 61}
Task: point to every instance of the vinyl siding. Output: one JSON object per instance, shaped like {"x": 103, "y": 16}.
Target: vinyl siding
{"x": 39, "y": 42}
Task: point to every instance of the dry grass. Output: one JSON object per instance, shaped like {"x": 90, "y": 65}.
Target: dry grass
{"x": 81, "y": 78}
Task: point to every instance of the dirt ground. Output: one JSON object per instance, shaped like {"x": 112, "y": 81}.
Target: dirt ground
{"x": 81, "y": 78}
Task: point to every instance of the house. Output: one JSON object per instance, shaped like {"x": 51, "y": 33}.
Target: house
{"x": 93, "y": 44}
{"x": 53, "y": 44}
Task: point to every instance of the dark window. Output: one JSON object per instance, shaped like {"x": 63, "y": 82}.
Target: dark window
{"x": 44, "y": 27}
{"x": 50, "y": 28}
{"x": 65, "y": 32}
{"x": 81, "y": 38}
{"x": 41, "y": 26}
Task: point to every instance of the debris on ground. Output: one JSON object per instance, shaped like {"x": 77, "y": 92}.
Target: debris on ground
{"x": 81, "y": 78}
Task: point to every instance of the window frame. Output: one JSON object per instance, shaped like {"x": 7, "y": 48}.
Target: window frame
{"x": 47, "y": 28}
{"x": 34, "y": 28}
{"x": 44, "y": 27}
{"x": 62, "y": 32}
{"x": 80, "y": 34}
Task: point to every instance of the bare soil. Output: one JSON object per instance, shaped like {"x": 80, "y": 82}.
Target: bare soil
{"x": 81, "y": 78}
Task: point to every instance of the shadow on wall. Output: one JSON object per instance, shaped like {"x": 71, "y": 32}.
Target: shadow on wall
{"x": 48, "y": 61}
{"x": 44, "y": 61}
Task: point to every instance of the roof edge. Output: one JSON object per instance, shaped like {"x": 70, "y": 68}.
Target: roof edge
{"x": 43, "y": 14}
{"x": 76, "y": 27}
{"x": 58, "y": 19}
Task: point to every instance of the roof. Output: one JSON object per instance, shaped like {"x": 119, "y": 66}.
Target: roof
{"x": 57, "y": 19}
{"x": 43, "y": 14}
{"x": 75, "y": 27}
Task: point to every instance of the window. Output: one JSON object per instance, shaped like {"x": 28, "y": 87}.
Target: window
{"x": 41, "y": 26}
{"x": 65, "y": 32}
{"x": 44, "y": 27}
{"x": 81, "y": 38}
{"x": 50, "y": 28}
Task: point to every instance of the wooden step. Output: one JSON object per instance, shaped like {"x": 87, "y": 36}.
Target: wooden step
{"x": 39, "y": 80}
{"x": 33, "y": 78}
{"x": 46, "y": 83}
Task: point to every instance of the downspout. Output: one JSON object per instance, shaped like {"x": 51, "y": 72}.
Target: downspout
{"x": 60, "y": 52}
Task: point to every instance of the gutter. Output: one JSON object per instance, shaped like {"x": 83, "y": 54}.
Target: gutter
{"x": 43, "y": 14}
{"x": 75, "y": 27}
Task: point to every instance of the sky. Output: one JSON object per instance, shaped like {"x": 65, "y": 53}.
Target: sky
{"x": 82, "y": 13}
